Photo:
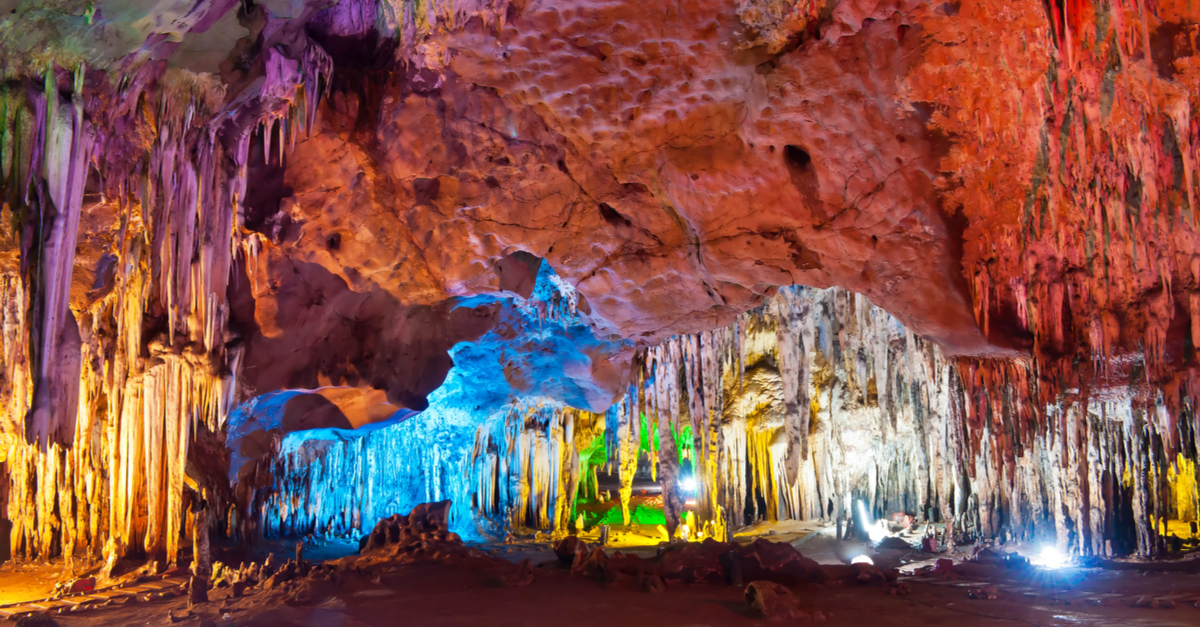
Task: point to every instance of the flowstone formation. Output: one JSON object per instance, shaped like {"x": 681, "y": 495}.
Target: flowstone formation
{"x": 276, "y": 268}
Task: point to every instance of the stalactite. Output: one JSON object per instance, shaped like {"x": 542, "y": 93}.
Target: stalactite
{"x": 100, "y": 419}
{"x": 508, "y": 463}
{"x": 903, "y": 428}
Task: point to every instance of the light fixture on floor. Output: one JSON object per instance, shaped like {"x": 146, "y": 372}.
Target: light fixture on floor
{"x": 873, "y": 530}
{"x": 1050, "y": 557}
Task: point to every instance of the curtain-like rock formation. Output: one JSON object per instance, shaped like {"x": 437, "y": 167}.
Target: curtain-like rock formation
{"x": 123, "y": 202}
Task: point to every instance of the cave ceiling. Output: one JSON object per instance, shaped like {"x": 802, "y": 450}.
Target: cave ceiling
{"x": 1007, "y": 179}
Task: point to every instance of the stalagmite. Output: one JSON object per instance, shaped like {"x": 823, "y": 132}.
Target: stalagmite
{"x": 201, "y": 553}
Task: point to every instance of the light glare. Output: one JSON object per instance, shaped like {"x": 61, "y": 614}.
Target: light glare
{"x": 1050, "y": 557}
{"x": 874, "y": 532}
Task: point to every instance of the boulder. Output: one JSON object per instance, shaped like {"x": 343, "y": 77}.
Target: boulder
{"x": 771, "y": 601}
{"x": 568, "y": 548}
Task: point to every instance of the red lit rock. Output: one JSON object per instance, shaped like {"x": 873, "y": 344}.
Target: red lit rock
{"x": 83, "y": 585}
{"x": 771, "y": 601}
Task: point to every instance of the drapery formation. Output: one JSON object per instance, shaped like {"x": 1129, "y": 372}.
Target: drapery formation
{"x": 819, "y": 397}
{"x": 114, "y": 360}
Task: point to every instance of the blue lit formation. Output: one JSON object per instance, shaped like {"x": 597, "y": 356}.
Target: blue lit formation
{"x": 500, "y": 418}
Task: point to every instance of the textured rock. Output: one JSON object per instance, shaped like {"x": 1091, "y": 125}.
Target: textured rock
{"x": 771, "y": 601}
{"x": 568, "y": 548}
{"x": 427, "y": 520}
{"x": 197, "y": 591}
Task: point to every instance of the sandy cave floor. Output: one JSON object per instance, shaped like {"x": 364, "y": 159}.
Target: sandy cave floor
{"x": 435, "y": 594}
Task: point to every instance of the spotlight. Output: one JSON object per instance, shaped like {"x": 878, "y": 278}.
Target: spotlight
{"x": 873, "y": 531}
{"x": 687, "y": 484}
{"x": 862, "y": 559}
{"x": 1050, "y": 557}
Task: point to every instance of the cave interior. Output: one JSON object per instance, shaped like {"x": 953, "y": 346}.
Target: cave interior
{"x": 515, "y": 311}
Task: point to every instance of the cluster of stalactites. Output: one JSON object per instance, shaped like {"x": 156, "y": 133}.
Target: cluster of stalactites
{"x": 338, "y": 484}
{"x": 99, "y": 419}
{"x": 1083, "y": 227}
{"x": 1081, "y": 243}
{"x": 528, "y": 468}
{"x": 528, "y": 473}
{"x": 690, "y": 381}
{"x": 867, "y": 411}
{"x": 120, "y": 487}
{"x": 520, "y": 468}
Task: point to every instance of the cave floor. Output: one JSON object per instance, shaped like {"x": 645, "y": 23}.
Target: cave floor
{"x": 21, "y": 582}
{"x": 435, "y": 594}
{"x": 431, "y": 594}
